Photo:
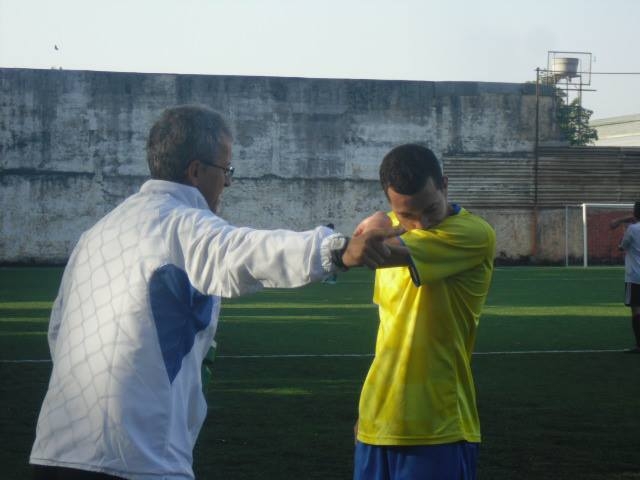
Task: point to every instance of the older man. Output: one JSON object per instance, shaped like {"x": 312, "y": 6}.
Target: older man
{"x": 138, "y": 308}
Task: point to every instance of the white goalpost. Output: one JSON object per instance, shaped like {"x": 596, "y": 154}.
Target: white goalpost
{"x": 594, "y": 226}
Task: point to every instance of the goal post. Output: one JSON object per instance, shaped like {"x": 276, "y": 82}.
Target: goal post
{"x": 599, "y": 243}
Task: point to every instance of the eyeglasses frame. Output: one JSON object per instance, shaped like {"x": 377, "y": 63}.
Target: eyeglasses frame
{"x": 228, "y": 171}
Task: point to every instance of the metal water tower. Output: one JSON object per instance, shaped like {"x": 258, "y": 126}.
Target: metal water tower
{"x": 565, "y": 67}
{"x": 570, "y": 72}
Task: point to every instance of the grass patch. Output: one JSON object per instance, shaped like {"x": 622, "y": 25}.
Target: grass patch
{"x": 554, "y": 415}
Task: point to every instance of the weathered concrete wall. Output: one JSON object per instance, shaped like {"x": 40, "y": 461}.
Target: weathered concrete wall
{"x": 307, "y": 151}
{"x": 527, "y": 236}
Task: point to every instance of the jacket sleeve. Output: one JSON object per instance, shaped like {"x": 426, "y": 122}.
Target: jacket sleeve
{"x": 228, "y": 261}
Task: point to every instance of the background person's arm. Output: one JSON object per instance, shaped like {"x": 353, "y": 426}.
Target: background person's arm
{"x": 619, "y": 221}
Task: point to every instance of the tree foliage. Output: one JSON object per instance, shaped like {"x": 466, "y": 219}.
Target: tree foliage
{"x": 573, "y": 120}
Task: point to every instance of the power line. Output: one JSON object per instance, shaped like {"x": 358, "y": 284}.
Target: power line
{"x": 592, "y": 73}
{"x": 613, "y": 73}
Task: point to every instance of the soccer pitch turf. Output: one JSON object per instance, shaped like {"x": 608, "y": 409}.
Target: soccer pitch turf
{"x": 557, "y": 398}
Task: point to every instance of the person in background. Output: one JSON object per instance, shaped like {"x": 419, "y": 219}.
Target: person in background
{"x": 417, "y": 414}
{"x": 631, "y": 245}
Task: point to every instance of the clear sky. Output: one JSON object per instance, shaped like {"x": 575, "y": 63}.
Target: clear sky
{"x": 434, "y": 40}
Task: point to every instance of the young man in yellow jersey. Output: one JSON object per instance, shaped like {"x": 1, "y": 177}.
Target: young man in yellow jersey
{"x": 417, "y": 415}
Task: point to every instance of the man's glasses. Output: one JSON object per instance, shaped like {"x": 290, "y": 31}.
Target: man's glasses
{"x": 228, "y": 171}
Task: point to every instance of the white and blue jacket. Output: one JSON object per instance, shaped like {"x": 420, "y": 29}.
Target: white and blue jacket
{"x": 136, "y": 313}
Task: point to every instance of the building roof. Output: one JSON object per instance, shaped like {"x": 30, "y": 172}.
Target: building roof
{"x": 623, "y": 131}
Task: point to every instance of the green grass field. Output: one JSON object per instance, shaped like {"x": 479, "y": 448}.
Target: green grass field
{"x": 558, "y": 400}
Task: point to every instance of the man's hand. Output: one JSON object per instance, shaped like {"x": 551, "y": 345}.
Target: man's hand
{"x": 377, "y": 220}
{"x": 369, "y": 249}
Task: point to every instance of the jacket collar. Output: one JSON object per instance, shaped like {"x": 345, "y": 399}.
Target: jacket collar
{"x": 186, "y": 194}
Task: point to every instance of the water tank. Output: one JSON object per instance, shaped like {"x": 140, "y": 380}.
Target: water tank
{"x": 565, "y": 67}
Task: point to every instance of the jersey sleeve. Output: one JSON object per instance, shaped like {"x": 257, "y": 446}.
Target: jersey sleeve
{"x": 444, "y": 252}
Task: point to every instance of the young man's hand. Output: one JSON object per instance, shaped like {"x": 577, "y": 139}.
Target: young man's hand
{"x": 369, "y": 249}
{"x": 377, "y": 220}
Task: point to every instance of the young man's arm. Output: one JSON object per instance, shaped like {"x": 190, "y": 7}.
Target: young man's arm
{"x": 442, "y": 253}
{"x": 377, "y": 248}
{"x": 397, "y": 254}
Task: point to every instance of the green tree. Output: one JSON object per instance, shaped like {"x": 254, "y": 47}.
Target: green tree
{"x": 573, "y": 120}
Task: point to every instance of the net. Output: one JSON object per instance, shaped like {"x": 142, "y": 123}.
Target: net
{"x": 589, "y": 238}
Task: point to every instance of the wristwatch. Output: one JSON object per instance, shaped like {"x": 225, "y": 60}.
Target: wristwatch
{"x": 337, "y": 246}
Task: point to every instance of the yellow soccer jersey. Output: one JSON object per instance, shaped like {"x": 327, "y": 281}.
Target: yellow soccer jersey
{"x": 419, "y": 389}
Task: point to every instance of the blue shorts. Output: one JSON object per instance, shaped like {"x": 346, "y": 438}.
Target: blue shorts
{"x": 451, "y": 461}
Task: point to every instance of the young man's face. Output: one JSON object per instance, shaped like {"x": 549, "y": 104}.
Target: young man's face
{"x": 424, "y": 209}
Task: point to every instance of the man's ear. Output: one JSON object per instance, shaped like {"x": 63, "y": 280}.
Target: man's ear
{"x": 445, "y": 182}
{"x": 193, "y": 173}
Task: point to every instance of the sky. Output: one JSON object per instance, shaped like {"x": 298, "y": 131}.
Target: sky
{"x": 430, "y": 40}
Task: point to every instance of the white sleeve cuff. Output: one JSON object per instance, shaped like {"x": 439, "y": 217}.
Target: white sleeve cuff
{"x": 326, "y": 247}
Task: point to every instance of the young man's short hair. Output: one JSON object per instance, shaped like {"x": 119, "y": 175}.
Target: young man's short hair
{"x": 407, "y": 168}
{"x": 636, "y": 210}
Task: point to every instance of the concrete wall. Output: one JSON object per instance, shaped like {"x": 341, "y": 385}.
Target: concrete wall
{"x": 306, "y": 151}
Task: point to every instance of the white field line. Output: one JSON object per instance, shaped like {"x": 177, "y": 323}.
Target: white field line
{"x": 345, "y": 355}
